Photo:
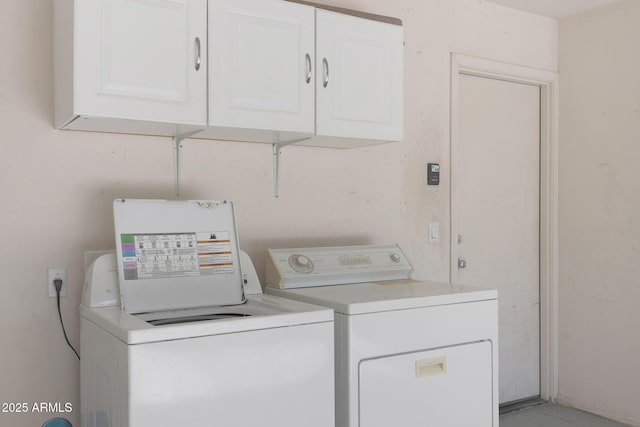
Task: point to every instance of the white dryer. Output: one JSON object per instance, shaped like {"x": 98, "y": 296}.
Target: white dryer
{"x": 408, "y": 353}
{"x": 267, "y": 361}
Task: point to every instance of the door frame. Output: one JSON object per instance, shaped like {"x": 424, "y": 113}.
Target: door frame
{"x": 549, "y": 133}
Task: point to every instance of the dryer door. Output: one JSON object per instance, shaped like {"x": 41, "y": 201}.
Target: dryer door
{"x": 446, "y": 387}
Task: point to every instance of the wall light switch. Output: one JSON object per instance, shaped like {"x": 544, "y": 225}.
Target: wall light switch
{"x": 434, "y": 232}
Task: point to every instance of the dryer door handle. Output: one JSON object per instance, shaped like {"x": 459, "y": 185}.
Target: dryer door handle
{"x": 431, "y": 367}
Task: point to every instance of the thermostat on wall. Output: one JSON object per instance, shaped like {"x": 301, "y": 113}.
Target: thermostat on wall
{"x": 433, "y": 174}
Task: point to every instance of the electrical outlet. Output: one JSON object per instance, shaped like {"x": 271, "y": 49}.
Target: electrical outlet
{"x": 57, "y": 273}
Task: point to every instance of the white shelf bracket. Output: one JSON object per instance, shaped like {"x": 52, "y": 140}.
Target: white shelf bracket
{"x": 176, "y": 145}
{"x": 277, "y": 146}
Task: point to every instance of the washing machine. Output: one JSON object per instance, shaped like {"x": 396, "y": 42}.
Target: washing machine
{"x": 408, "y": 353}
{"x": 175, "y": 330}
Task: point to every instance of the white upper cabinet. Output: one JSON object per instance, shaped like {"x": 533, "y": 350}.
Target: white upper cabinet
{"x": 140, "y": 60}
{"x": 249, "y": 70}
{"x": 358, "y": 78}
{"x": 261, "y": 65}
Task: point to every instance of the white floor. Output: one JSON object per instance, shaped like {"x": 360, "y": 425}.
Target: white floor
{"x": 550, "y": 415}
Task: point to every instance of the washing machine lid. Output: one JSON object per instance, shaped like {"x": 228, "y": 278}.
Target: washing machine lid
{"x": 176, "y": 254}
{"x": 258, "y": 313}
{"x": 373, "y": 297}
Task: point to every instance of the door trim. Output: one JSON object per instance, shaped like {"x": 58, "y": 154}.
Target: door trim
{"x": 548, "y": 83}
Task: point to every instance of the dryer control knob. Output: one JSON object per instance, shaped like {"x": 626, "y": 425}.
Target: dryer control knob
{"x": 302, "y": 260}
{"x": 301, "y": 263}
{"x": 395, "y": 257}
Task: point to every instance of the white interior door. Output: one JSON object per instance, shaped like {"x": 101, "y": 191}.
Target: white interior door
{"x": 495, "y": 216}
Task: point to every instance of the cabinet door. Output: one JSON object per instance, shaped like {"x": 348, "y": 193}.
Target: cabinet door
{"x": 447, "y": 387}
{"x": 137, "y": 59}
{"x": 261, "y": 55}
{"x": 359, "y": 77}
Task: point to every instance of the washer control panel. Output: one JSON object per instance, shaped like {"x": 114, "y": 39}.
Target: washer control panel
{"x": 336, "y": 265}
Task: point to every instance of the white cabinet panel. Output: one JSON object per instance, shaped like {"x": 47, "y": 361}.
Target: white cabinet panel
{"x": 249, "y": 70}
{"x": 447, "y": 387}
{"x": 261, "y": 55}
{"x": 137, "y": 59}
{"x": 358, "y": 77}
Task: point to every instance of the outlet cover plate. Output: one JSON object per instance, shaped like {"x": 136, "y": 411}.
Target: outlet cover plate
{"x": 57, "y": 273}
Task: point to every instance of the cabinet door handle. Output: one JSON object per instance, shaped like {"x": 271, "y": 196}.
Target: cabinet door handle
{"x": 325, "y": 72}
{"x": 308, "y": 59}
{"x": 198, "y": 53}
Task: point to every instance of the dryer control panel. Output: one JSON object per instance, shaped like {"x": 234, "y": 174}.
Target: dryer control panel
{"x": 336, "y": 265}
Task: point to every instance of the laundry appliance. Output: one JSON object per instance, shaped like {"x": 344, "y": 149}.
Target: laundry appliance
{"x": 171, "y": 337}
{"x": 408, "y": 353}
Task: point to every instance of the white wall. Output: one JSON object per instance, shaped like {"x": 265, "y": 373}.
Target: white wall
{"x": 600, "y": 211}
{"x": 56, "y": 187}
